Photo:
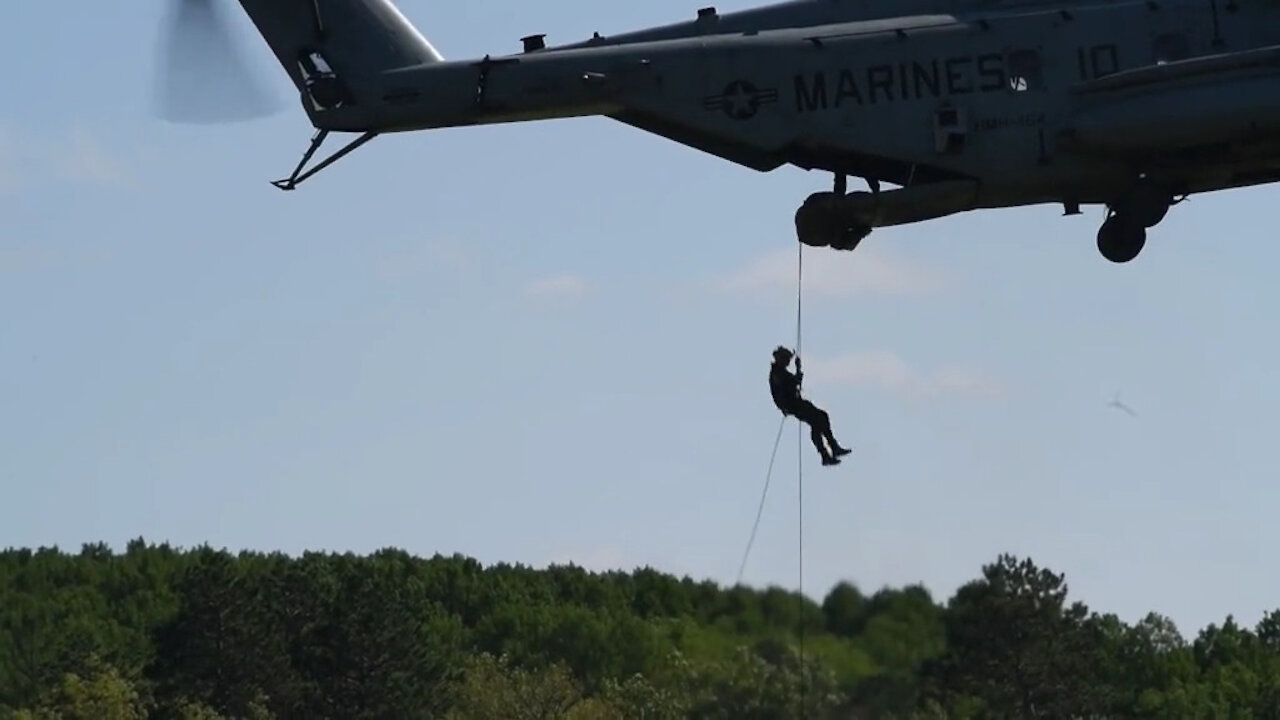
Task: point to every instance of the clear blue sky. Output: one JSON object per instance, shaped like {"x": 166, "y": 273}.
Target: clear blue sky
{"x": 549, "y": 341}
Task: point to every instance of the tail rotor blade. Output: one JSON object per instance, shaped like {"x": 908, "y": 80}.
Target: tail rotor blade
{"x": 203, "y": 77}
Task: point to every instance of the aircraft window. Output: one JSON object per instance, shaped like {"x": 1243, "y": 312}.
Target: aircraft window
{"x": 1170, "y": 47}
{"x": 1025, "y": 72}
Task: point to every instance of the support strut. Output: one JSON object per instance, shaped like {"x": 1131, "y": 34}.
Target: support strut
{"x": 316, "y": 141}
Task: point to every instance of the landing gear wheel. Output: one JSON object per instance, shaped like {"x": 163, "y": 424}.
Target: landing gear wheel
{"x": 1120, "y": 240}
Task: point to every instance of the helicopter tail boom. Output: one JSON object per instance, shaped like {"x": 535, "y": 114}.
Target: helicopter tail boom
{"x": 469, "y": 93}
{"x": 334, "y": 49}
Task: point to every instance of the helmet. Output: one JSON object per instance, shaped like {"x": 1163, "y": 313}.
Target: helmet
{"x": 781, "y": 354}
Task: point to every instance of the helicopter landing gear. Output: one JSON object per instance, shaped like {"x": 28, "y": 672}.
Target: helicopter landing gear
{"x": 819, "y": 223}
{"x": 824, "y": 220}
{"x": 1123, "y": 234}
{"x": 316, "y": 141}
{"x": 841, "y": 221}
{"x": 1120, "y": 239}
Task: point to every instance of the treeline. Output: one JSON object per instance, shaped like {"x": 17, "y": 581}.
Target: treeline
{"x": 203, "y": 634}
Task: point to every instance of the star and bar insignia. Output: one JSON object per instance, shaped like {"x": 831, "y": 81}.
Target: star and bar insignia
{"x": 741, "y": 100}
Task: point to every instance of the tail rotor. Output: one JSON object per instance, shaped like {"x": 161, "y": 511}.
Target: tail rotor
{"x": 203, "y": 75}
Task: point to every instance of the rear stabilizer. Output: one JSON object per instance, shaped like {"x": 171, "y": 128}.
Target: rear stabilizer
{"x": 334, "y": 50}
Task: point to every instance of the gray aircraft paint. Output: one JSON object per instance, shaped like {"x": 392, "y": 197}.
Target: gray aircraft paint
{"x": 964, "y": 105}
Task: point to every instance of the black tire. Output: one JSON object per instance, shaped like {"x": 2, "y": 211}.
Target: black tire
{"x": 1120, "y": 241}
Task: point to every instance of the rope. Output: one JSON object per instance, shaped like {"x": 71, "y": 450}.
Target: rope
{"x": 799, "y": 484}
{"x": 760, "y": 511}
{"x": 799, "y": 295}
{"x": 800, "y": 473}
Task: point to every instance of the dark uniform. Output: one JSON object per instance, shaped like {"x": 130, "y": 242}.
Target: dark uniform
{"x": 785, "y": 388}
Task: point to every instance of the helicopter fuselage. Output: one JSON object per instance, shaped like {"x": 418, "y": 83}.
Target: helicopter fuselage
{"x": 1123, "y": 103}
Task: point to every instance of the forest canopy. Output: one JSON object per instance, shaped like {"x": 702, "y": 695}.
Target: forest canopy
{"x": 157, "y": 631}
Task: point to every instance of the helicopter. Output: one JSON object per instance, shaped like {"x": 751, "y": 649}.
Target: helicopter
{"x": 962, "y": 105}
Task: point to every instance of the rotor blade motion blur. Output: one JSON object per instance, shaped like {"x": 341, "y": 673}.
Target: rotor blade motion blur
{"x": 203, "y": 77}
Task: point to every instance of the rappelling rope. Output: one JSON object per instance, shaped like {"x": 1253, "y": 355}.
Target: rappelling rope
{"x": 760, "y": 510}
{"x": 799, "y": 478}
{"x": 799, "y": 297}
{"x": 800, "y": 473}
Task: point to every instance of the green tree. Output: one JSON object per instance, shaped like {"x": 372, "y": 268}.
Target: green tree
{"x": 203, "y": 634}
{"x": 494, "y": 688}
{"x": 1017, "y": 646}
{"x": 223, "y": 646}
{"x": 768, "y": 682}
{"x": 844, "y": 610}
{"x": 381, "y": 646}
{"x": 102, "y": 693}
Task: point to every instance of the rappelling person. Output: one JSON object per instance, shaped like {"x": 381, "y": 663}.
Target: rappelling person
{"x": 785, "y": 388}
